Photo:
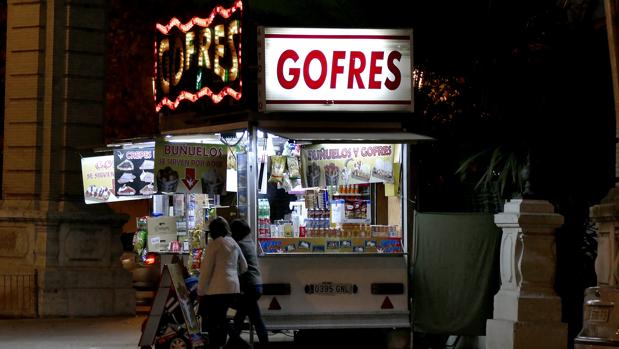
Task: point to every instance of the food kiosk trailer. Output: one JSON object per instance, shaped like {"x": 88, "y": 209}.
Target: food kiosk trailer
{"x": 321, "y": 168}
{"x": 325, "y": 185}
{"x": 347, "y": 265}
{"x": 331, "y": 222}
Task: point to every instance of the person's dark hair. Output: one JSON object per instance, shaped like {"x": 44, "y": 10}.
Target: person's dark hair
{"x": 240, "y": 229}
{"x": 218, "y": 227}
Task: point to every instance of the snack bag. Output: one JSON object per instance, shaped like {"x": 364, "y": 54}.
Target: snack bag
{"x": 293, "y": 167}
{"x": 278, "y": 165}
{"x": 139, "y": 245}
{"x": 196, "y": 238}
{"x": 196, "y": 258}
{"x": 286, "y": 183}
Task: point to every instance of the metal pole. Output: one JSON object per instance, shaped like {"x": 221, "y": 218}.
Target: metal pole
{"x": 611, "y": 27}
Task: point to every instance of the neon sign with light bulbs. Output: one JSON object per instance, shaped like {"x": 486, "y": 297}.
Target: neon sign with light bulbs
{"x": 200, "y": 58}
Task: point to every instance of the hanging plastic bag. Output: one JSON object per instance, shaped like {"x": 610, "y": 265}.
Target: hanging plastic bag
{"x": 293, "y": 167}
{"x": 278, "y": 166}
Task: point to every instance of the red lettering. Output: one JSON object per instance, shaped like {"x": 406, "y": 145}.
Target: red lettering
{"x": 375, "y": 57}
{"x": 294, "y": 72}
{"x": 315, "y": 84}
{"x": 337, "y": 69}
{"x": 393, "y": 84}
{"x": 354, "y": 71}
{"x": 289, "y": 77}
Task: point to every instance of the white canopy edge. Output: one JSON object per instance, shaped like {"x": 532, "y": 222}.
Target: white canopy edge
{"x": 366, "y": 137}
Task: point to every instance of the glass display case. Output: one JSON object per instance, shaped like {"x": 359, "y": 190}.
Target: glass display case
{"x": 314, "y": 205}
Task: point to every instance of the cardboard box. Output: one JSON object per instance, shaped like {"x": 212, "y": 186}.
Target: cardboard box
{"x": 161, "y": 231}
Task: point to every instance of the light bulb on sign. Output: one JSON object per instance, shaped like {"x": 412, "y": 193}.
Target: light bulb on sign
{"x": 213, "y": 46}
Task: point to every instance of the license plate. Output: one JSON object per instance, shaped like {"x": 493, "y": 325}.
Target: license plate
{"x": 330, "y": 288}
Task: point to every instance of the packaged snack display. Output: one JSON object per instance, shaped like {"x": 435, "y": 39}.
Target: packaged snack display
{"x": 278, "y": 165}
{"x": 331, "y": 215}
{"x": 293, "y": 167}
{"x": 195, "y": 258}
{"x": 140, "y": 239}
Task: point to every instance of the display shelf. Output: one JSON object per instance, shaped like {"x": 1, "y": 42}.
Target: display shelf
{"x": 297, "y": 192}
{"x": 331, "y": 254}
{"x": 318, "y": 245}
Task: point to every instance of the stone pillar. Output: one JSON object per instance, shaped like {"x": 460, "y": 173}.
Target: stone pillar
{"x": 54, "y": 107}
{"x": 606, "y": 216}
{"x": 527, "y": 311}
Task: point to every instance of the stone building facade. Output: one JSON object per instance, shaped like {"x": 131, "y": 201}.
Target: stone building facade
{"x": 58, "y": 257}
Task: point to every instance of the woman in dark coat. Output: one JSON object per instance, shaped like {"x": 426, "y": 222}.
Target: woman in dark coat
{"x": 251, "y": 283}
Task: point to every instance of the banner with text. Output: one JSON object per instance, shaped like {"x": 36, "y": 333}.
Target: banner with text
{"x": 191, "y": 167}
{"x": 99, "y": 182}
{"x": 344, "y": 164}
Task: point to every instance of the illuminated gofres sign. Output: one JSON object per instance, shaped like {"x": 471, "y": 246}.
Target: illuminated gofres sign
{"x": 201, "y": 58}
{"x": 314, "y": 69}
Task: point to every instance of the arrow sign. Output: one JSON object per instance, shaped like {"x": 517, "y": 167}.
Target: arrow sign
{"x": 190, "y": 178}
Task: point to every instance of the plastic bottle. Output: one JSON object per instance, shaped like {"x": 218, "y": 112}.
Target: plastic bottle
{"x": 264, "y": 224}
{"x": 294, "y": 216}
{"x": 260, "y": 218}
{"x": 267, "y": 211}
{"x": 337, "y": 212}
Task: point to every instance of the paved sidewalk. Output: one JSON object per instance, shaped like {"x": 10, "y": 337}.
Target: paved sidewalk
{"x": 125, "y": 332}
{"x": 86, "y": 333}
{"x": 71, "y": 333}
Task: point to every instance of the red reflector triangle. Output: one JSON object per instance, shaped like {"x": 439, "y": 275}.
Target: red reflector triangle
{"x": 387, "y": 304}
{"x": 275, "y": 305}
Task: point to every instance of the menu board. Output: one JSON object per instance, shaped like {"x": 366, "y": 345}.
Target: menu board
{"x": 134, "y": 171}
{"x": 344, "y": 164}
{"x": 99, "y": 181}
{"x": 191, "y": 168}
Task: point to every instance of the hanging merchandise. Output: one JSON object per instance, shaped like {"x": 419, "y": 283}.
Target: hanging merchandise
{"x": 140, "y": 239}
{"x": 286, "y": 183}
{"x": 293, "y": 167}
{"x": 278, "y": 166}
{"x": 195, "y": 250}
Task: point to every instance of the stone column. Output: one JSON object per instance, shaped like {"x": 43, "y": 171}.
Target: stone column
{"x": 606, "y": 216}
{"x": 54, "y": 107}
{"x": 527, "y": 311}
